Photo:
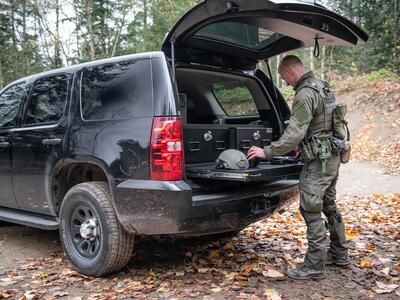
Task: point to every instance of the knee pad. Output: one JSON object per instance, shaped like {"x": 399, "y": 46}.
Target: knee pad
{"x": 334, "y": 216}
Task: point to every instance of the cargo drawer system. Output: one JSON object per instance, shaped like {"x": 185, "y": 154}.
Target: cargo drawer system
{"x": 264, "y": 171}
{"x": 204, "y": 142}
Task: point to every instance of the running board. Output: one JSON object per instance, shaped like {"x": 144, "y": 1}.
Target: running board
{"x": 29, "y": 219}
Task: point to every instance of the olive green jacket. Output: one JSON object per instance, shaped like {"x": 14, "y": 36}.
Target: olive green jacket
{"x": 305, "y": 103}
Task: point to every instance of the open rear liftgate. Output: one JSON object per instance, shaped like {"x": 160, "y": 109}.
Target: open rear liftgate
{"x": 204, "y": 142}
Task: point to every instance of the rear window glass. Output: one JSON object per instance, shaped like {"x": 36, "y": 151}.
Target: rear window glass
{"x": 47, "y": 100}
{"x": 117, "y": 91}
{"x": 235, "y": 98}
{"x": 241, "y": 34}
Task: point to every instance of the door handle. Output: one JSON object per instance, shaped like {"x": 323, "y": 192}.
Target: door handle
{"x": 4, "y": 144}
{"x": 51, "y": 142}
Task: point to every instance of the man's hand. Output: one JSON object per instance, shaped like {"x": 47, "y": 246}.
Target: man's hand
{"x": 256, "y": 152}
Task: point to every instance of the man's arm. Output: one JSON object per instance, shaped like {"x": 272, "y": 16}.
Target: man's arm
{"x": 302, "y": 113}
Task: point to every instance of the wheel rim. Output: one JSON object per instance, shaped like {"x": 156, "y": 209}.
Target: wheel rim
{"x": 85, "y": 231}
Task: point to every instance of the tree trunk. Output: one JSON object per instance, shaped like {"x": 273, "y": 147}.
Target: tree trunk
{"x": 25, "y": 58}
{"x": 57, "y": 43}
{"x": 120, "y": 27}
{"x": 145, "y": 13}
{"x": 323, "y": 63}
{"x": 88, "y": 7}
{"x": 396, "y": 59}
{"x": 78, "y": 52}
{"x": 13, "y": 36}
{"x": 311, "y": 58}
{"x": 1, "y": 76}
{"x": 330, "y": 64}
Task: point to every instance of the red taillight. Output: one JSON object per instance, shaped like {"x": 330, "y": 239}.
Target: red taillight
{"x": 166, "y": 149}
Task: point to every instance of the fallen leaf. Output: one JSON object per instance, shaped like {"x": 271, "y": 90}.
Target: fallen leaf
{"x": 386, "y": 271}
{"x": 6, "y": 294}
{"x": 216, "y": 290}
{"x": 366, "y": 263}
{"x": 228, "y": 247}
{"x": 30, "y": 295}
{"x": 271, "y": 294}
{"x": 214, "y": 255}
{"x": 60, "y": 294}
{"x": 271, "y": 273}
{"x": 247, "y": 268}
{"x": 40, "y": 276}
{"x": 202, "y": 270}
{"x": 382, "y": 288}
{"x": 240, "y": 277}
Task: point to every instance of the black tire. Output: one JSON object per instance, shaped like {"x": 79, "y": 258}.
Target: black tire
{"x": 105, "y": 246}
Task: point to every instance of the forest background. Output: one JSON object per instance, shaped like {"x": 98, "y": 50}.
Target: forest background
{"x": 38, "y": 35}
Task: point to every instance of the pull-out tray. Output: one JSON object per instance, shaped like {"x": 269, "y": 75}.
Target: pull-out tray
{"x": 264, "y": 171}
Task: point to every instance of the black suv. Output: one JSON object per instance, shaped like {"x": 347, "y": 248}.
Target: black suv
{"x": 126, "y": 146}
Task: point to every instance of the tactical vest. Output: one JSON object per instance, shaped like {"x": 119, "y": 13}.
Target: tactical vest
{"x": 323, "y": 115}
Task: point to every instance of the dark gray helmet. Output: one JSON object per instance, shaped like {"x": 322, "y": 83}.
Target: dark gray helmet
{"x": 232, "y": 159}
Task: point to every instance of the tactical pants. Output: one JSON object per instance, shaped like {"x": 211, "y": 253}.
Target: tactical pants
{"x": 317, "y": 194}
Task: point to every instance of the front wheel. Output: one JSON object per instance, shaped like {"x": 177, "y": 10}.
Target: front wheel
{"x": 92, "y": 238}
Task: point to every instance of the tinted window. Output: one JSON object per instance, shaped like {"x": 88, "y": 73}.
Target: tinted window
{"x": 241, "y": 34}
{"x": 235, "y": 98}
{"x": 117, "y": 91}
{"x": 9, "y": 104}
{"x": 47, "y": 100}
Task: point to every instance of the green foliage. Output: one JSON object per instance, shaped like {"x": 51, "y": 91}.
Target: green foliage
{"x": 152, "y": 22}
{"x": 374, "y": 77}
{"x": 105, "y": 28}
{"x": 19, "y": 51}
{"x": 231, "y": 94}
{"x": 287, "y": 92}
{"x": 381, "y": 20}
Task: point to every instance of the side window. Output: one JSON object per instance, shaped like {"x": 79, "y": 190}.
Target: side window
{"x": 117, "y": 91}
{"x": 235, "y": 98}
{"x": 47, "y": 100}
{"x": 10, "y": 101}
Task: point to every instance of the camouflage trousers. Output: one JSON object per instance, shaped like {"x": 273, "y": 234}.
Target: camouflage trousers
{"x": 318, "y": 194}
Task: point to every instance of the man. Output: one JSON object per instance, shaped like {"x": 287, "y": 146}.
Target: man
{"x": 310, "y": 126}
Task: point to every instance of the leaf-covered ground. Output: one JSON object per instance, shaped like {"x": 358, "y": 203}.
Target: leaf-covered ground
{"x": 250, "y": 265}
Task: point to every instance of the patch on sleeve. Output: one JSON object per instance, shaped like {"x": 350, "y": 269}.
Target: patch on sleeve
{"x": 301, "y": 113}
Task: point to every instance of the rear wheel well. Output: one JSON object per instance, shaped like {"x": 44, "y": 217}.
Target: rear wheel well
{"x": 71, "y": 175}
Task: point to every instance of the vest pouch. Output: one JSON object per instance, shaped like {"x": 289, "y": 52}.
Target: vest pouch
{"x": 307, "y": 152}
{"x": 340, "y": 129}
{"x": 345, "y": 155}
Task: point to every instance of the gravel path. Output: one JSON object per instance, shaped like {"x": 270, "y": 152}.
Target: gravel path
{"x": 362, "y": 178}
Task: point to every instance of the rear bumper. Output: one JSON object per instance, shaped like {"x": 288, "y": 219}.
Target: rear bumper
{"x": 155, "y": 207}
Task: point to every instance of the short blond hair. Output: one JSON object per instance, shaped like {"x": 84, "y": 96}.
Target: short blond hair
{"x": 289, "y": 61}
